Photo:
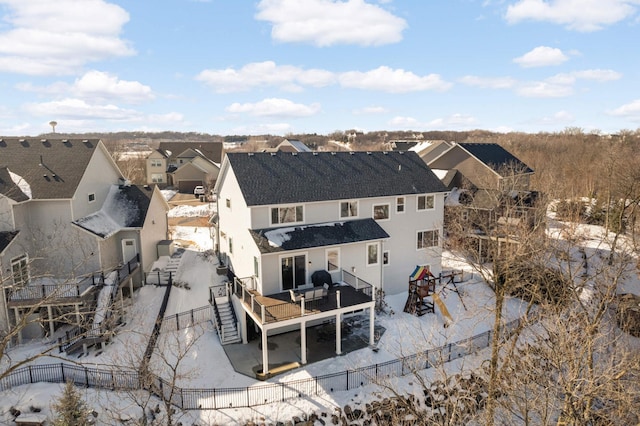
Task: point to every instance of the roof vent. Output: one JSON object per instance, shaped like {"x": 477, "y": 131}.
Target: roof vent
{"x": 385, "y": 152}
{"x": 64, "y": 140}
{"x": 273, "y": 154}
{"x": 85, "y": 140}
{"x": 315, "y": 154}
{"x": 294, "y": 153}
{"x": 368, "y": 152}
{"x": 399, "y": 167}
{"x": 351, "y": 152}
{"x": 22, "y": 140}
{"x": 333, "y": 153}
{"x": 43, "y": 140}
{"x": 250, "y": 154}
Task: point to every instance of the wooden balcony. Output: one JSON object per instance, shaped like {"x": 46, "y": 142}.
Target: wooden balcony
{"x": 279, "y": 307}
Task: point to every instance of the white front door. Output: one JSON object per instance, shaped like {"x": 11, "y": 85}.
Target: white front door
{"x": 128, "y": 250}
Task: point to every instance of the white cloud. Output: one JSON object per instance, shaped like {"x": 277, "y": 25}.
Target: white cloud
{"x": 370, "y": 110}
{"x": 559, "y": 118}
{"x": 544, "y": 89}
{"x": 263, "y": 129}
{"x": 631, "y": 110}
{"x": 386, "y": 79}
{"x": 79, "y": 109}
{"x": 275, "y": 107}
{"x": 454, "y": 121}
{"x": 266, "y": 73}
{"x": 330, "y": 22}
{"x": 58, "y": 37}
{"x": 96, "y": 86}
{"x": 579, "y": 15}
{"x": 489, "y": 83}
{"x": 541, "y": 56}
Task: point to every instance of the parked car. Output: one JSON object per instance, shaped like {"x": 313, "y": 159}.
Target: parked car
{"x": 198, "y": 190}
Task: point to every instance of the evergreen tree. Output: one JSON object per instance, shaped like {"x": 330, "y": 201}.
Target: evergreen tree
{"x": 71, "y": 409}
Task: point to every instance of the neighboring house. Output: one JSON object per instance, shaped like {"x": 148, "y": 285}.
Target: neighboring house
{"x": 490, "y": 187}
{"x": 184, "y": 165}
{"x": 67, "y": 215}
{"x": 290, "y": 145}
{"x": 290, "y": 221}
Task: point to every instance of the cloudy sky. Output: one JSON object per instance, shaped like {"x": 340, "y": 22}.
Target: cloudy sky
{"x": 281, "y": 66}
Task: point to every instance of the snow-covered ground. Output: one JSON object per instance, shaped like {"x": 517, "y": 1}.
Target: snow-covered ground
{"x": 208, "y": 366}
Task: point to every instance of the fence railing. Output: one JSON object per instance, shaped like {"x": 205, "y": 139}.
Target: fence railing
{"x": 158, "y": 278}
{"x": 71, "y": 290}
{"x": 357, "y": 283}
{"x": 186, "y": 319}
{"x": 212, "y": 399}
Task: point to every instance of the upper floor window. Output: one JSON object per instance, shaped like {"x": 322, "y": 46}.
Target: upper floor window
{"x": 20, "y": 270}
{"x": 381, "y": 211}
{"x": 427, "y": 239}
{"x": 290, "y": 214}
{"x": 228, "y": 203}
{"x": 385, "y": 257}
{"x": 156, "y": 163}
{"x": 256, "y": 267}
{"x": 92, "y": 197}
{"x": 157, "y": 177}
{"x": 348, "y": 209}
{"x": 400, "y": 205}
{"x": 426, "y": 202}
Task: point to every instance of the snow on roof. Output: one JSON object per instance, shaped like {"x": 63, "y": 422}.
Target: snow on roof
{"x": 117, "y": 213}
{"x": 441, "y": 173}
{"x": 21, "y": 183}
{"x": 421, "y": 146}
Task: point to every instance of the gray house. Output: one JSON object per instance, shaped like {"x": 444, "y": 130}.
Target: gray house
{"x": 67, "y": 216}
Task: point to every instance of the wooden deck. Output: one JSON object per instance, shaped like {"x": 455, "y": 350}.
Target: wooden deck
{"x": 279, "y": 307}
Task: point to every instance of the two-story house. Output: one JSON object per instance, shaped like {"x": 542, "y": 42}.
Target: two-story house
{"x": 67, "y": 216}
{"x": 490, "y": 189}
{"x": 184, "y": 165}
{"x": 290, "y": 222}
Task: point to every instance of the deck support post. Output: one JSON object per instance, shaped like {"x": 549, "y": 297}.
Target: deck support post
{"x": 17, "y": 316}
{"x": 372, "y": 317}
{"x": 338, "y": 334}
{"x": 303, "y": 342}
{"x": 50, "y": 320}
{"x": 265, "y": 353}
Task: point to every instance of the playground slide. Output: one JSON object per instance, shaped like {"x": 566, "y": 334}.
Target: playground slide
{"x": 443, "y": 309}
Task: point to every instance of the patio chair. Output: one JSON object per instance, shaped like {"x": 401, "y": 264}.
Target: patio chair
{"x": 295, "y": 298}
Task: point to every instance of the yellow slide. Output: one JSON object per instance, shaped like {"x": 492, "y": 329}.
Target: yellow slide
{"x": 443, "y": 309}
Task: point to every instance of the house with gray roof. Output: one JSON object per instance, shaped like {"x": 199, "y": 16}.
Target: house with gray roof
{"x": 67, "y": 215}
{"x": 312, "y": 236}
{"x": 184, "y": 165}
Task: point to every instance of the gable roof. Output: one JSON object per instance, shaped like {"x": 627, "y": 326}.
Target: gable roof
{"x": 12, "y": 189}
{"x": 281, "y": 178}
{"x": 125, "y": 207}
{"x": 209, "y": 150}
{"x": 299, "y": 237}
{"x": 51, "y": 168}
{"x": 496, "y": 157}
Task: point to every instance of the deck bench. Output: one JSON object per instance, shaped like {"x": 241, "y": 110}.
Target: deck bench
{"x": 31, "y": 419}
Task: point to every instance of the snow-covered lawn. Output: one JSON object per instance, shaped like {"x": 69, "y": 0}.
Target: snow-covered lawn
{"x": 208, "y": 366}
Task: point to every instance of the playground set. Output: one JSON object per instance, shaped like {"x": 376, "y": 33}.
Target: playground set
{"x": 422, "y": 286}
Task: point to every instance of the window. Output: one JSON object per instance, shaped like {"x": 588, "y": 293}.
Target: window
{"x": 228, "y": 202}
{"x": 385, "y": 257}
{"x": 289, "y": 214}
{"x": 333, "y": 259}
{"x": 293, "y": 271}
{"x": 256, "y": 267}
{"x": 372, "y": 254}
{"x": 92, "y": 197}
{"x": 156, "y": 163}
{"x": 427, "y": 239}
{"x": 348, "y": 209}
{"x": 426, "y": 202}
{"x": 20, "y": 270}
{"x": 400, "y": 205}
{"x": 381, "y": 211}
{"x": 157, "y": 177}
{"x": 230, "y": 245}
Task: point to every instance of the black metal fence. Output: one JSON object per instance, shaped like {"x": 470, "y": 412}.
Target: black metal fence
{"x": 187, "y": 319}
{"x": 213, "y": 399}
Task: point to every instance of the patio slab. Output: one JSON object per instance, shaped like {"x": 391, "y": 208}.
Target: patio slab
{"x": 284, "y": 349}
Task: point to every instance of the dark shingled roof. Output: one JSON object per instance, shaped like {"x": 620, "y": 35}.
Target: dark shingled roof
{"x": 280, "y": 178}
{"x": 5, "y": 239}
{"x": 299, "y": 237}
{"x": 496, "y": 157}
{"x": 53, "y": 168}
{"x": 210, "y": 150}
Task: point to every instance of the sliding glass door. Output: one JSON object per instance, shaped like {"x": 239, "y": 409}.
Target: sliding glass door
{"x": 293, "y": 271}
